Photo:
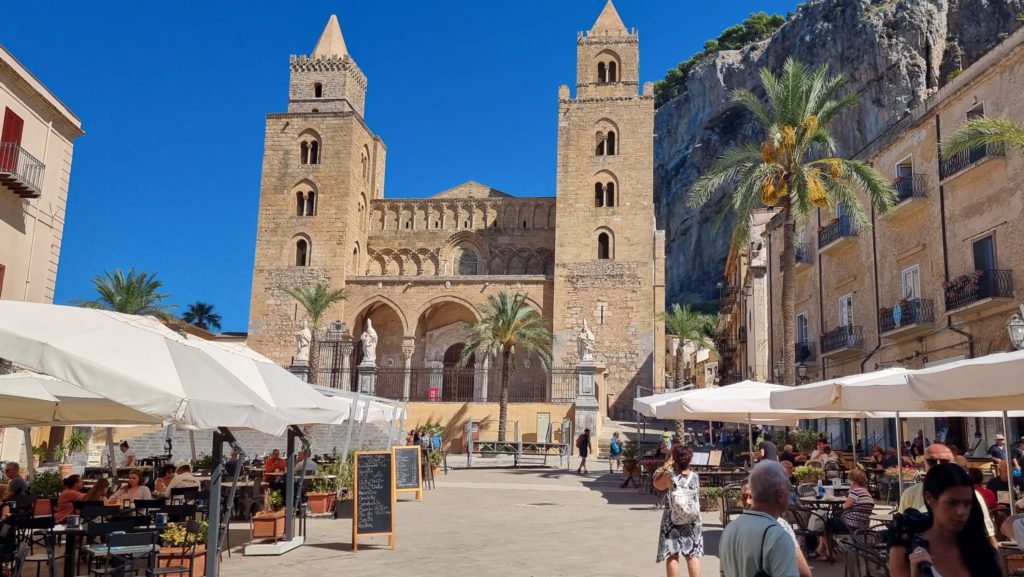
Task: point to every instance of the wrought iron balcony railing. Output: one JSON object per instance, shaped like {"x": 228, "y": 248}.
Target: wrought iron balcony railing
{"x": 911, "y": 186}
{"x": 976, "y": 286}
{"x": 20, "y": 171}
{"x": 805, "y": 352}
{"x": 906, "y": 313}
{"x": 848, "y": 337}
{"x": 967, "y": 158}
{"x": 835, "y": 230}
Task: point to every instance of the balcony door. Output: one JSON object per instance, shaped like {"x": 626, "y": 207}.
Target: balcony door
{"x": 846, "y": 310}
{"x": 912, "y": 283}
{"x": 985, "y": 254}
{"x": 10, "y": 141}
{"x": 801, "y": 328}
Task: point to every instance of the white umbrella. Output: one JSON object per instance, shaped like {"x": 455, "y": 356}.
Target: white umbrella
{"x": 133, "y": 361}
{"x": 991, "y": 383}
{"x": 647, "y": 406}
{"x": 291, "y": 396}
{"x": 33, "y": 399}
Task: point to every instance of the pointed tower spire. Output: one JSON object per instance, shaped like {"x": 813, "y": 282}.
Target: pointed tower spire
{"x": 609, "y": 23}
{"x": 331, "y": 42}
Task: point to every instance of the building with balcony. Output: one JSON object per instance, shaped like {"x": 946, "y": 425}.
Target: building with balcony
{"x": 937, "y": 278}
{"x": 37, "y": 134}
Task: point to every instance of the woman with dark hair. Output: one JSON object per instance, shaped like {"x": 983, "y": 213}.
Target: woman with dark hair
{"x": 165, "y": 478}
{"x": 675, "y": 540}
{"x": 957, "y": 541}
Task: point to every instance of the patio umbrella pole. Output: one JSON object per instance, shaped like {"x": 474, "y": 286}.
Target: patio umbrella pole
{"x": 192, "y": 442}
{"x": 111, "y": 459}
{"x": 362, "y": 424}
{"x": 30, "y": 461}
{"x": 289, "y": 486}
{"x": 750, "y": 440}
{"x": 351, "y": 423}
{"x": 899, "y": 462}
{"x": 853, "y": 433}
{"x": 220, "y": 436}
{"x": 231, "y": 494}
{"x": 1009, "y": 471}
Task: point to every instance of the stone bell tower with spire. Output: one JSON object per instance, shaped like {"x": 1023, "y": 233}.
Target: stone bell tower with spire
{"x": 609, "y": 256}
{"x": 321, "y": 167}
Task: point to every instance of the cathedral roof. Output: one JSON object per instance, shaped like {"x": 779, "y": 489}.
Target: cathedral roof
{"x": 472, "y": 189}
{"x": 609, "y": 22}
{"x": 331, "y": 42}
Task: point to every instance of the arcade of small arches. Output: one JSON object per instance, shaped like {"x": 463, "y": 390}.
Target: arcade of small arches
{"x": 440, "y": 214}
{"x": 464, "y": 259}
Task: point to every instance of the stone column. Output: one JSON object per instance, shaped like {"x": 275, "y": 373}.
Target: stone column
{"x": 586, "y": 398}
{"x": 367, "y": 373}
{"x": 407, "y": 351}
{"x": 346, "y": 364}
{"x": 436, "y": 377}
{"x": 480, "y": 377}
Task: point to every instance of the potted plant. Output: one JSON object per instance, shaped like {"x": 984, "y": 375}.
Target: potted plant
{"x": 176, "y": 539}
{"x": 436, "y": 459}
{"x": 65, "y": 451}
{"x": 630, "y": 464}
{"x": 203, "y": 462}
{"x": 46, "y": 483}
{"x": 269, "y": 523}
{"x": 324, "y": 489}
{"x": 39, "y": 453}
{"x": 710, "y": 498}
{"x": 346, "y": 488}
{"x": 807, "y": 474}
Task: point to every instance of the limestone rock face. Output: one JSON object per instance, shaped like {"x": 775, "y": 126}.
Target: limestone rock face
{"x": 894, "y": 53}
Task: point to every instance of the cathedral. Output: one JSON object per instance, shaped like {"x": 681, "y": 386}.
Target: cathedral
{"x": 419, "y": 268}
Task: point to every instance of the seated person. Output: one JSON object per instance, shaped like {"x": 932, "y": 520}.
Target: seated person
{"x": 134, "y": 489}
{"x": 1001, "y": 482}
{"x": 856, "y": 512}
{"x": 232, "y": 464}
{"x": 183, "y": 479}
{"x": 877, "y": 456}
{"x": 274, "y": 464}
{"x": 987, "y": 495}
{"x": 166, "y": 476}
{"x": 891, "y": 458}
{"x": 826, "y": 455}
{"x": 787, "y": 454}
{"x": 66, "y": 501}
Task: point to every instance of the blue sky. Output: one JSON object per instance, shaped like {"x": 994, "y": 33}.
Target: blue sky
{"x": 173, "y": 96}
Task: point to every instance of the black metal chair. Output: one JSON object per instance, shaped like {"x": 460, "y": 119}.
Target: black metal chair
{"x": 143, "y": 506}
{"x": 99, "y": 530}
{"x": 20, "y": 557}
{"x": 800, "y": 518}
{"x": 183, "y": 561}
{"x": 37, "y": 531}
{"x": 179, "y": 513}
{"x": 94, "y": 514}
{"x": 128, "y": 551}
{"x": 731, "y": 503}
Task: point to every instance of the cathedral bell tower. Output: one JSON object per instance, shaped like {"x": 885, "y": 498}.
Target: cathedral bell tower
{"x": 609, "y": 257}
{"x": 321, "y": 167}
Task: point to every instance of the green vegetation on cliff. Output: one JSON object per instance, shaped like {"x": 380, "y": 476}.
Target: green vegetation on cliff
{"x": 755, "y": 28}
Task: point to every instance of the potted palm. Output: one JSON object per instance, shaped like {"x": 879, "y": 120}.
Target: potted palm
{"x": 346, "y": 487}
{"x": 324, "y": 488}
{"x": 436, "y": 459}
{"x": 269, "y": 523}
{"x": 630, "y": 464}
{"x": 176, "y": 541}
{"x": 65, "y": 451}
{"x": 807, "y": 474}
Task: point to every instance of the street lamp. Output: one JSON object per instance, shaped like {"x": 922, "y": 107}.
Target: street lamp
{"x": 801, "y": 371}
{"x": 1016, "y": 331}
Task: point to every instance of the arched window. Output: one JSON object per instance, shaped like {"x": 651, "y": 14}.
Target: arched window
{"x": 300, "y": 204}
{"x": 602, "y": 75}
{"x": 611, "y": 71}
{"x": 598, "y": 195}
{"x": 604, "y": 246}
{"x": 301, "y": 252}
{"x": 355, "y": 260}
{"x": 466, "y": 262}
{"x": 310, "y": 203}
{"x": 609, "y": 197}
{"x": 318, "y": 90}
{"x": 304, "y": 153}
{"x": 609, "y": 145}
{"x": 600, "y": 150}
{"x": 314, "y": 152}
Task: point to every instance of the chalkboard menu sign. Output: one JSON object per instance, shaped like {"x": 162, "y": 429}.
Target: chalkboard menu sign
{"x": 408, "y": 470}
{"x": 373, "y": 511}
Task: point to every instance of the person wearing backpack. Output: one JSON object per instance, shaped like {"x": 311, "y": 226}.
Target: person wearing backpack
{"x": 681, "y": 532}
{"x": 615, "y": 453}
{"x": 583, "y": 446}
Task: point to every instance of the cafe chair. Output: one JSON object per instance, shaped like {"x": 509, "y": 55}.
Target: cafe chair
{"x": 143, "y": 506}
{"x": 79, "y": 505}
{"x": 128, "y": 551}
{"x": 806, "y": 490}
{"x": 102, "y": 530}
{"x": 731, "y": 504}
{"x": 800, "y": 518}
{"x": 19, "y": 560}
{"x": 91, "y": 514}
{"x": 183, "y": 561}
{"x": 179, "y": 513}
{"x": 36, "y": 531}
{"x": 833, "y": 470}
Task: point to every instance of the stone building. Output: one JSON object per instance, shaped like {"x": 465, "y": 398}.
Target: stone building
{"x": 935, "y": 280}
{"x": 37, "y": 134}
{"x": 418, "y": 268}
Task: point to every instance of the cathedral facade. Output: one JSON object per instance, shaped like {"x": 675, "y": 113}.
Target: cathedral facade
{"x": 419, "y": 268}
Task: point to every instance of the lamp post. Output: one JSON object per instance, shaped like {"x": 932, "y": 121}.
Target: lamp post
{"x": 1015, "y": 328}
{"x": 775, "y": 372}
{"x": 801, "y": 372}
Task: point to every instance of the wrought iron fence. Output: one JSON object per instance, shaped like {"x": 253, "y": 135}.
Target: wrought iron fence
{"x": 965, "y": 159}
{"x": 469, "y": 384}
{"x": 978, "y": 285}
{"x": 805, "y": 351}
{"x": 910, "y": 186}
{"x": 835, "y": 230}
{"x": 848, "y": 337}
{"x": 912, "y": 312}
{"x": 564, "y": 384}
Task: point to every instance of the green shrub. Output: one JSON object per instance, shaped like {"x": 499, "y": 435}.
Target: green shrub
{"x": 46, "y": 483}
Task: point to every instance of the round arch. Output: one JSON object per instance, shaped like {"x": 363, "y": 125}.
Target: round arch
{"x": 373, "y": 302}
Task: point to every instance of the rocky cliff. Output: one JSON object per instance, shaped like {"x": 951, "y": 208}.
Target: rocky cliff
{"x": 895, "y": 53}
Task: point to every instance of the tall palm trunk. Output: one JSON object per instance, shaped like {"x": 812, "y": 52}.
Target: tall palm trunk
{"x": 788, "y": 293}
{"x": 314, "y": 357}
{"x": 506, "y": 355}
{"x": 678, "y": 366}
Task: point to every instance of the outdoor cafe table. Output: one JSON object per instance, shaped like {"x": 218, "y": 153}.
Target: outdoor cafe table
{"x": 71, "y": 540}
{"x": 831, "y": 506}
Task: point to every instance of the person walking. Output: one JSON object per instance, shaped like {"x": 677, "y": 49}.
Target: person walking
{"x": 615, "y": 453}
{"x": 755, "y": 543}
{"x": 583, "y": 444}
{"x": 686, "y": 539}
{"x": 956, "y": 542}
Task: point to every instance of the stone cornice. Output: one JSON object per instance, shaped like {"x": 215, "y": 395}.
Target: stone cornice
{"x": 547, "y": 200}
{"x": 466, "y": 279}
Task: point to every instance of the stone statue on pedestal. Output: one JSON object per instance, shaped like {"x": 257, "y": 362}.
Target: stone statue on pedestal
{"x": 369, "y": 338}
{"x": 303, "y": 337}
{"x": 586, "y": 343}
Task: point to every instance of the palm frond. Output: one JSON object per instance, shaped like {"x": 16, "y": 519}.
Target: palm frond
{"x": 689, "y": 324}
{"x": 878, "y": 188}
{"x": 978, "y": 132}
{"x": 755, "y": 105}
{"x": 316, "y": 299}
{"x": 507, "y": 322}
{"x": 723, "y": 170}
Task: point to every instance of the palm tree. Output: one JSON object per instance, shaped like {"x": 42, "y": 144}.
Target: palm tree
{"x": 201, "y": 315}
{"x": 315, "y": 300}
{"x": 794, "y": 167}
{"x": 508, "y": 326}
{"x": 687, "y": 324}
{"x": 134, "y": 293}
{"x": 978, "y": 132}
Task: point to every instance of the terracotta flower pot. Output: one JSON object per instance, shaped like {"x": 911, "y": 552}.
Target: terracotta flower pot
{"x": 66, "y": 469}
{"x": 320, "y": 503}
{"x": 435, "y": 471}
{"x": 268, "y": 525}
{"x": 171, "y": 556}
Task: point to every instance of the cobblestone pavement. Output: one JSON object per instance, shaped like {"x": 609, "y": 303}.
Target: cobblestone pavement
{"x": 498, "y": 522}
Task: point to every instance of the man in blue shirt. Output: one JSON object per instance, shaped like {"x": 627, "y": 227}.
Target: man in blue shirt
{"x": 755, "y": 541}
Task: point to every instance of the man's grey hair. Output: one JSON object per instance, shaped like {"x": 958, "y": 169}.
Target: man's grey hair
{"x": 14, "y": 466}
{"x": 766, "y": 478}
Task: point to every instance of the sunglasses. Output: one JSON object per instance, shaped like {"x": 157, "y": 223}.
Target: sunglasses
{"x": 933, "y": 462}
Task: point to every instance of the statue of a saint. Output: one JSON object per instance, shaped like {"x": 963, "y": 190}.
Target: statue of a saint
{"x": 303, "y": 337}
{"x": 586, "y": 342}
{"x": 369, "y": 338}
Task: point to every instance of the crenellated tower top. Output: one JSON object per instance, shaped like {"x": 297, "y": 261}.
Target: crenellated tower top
{"x": 329, "y": 80}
